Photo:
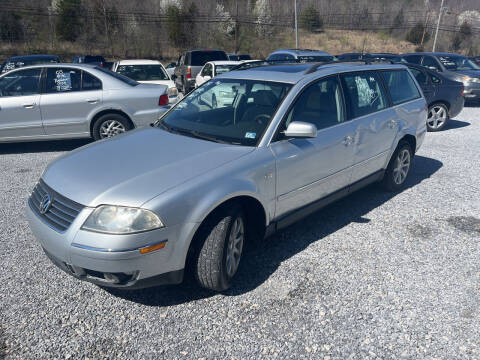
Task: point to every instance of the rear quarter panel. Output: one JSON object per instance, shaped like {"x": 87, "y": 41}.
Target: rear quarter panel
{"x": 139, "y": 103}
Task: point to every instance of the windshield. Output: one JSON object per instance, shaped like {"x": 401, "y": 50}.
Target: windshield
{"x": 221, "y": 69}
{"x": 227, "y": 110}
{"x": 457, "y": 62}
{"x": 117, "y": 76}
{"x": 200, "y": 58}
{"x": 143, "y": 72}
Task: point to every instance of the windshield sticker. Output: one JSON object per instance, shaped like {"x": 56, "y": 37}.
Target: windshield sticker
{"x": 8, "y": 66}
{"x": 250, "y": 135}
{"x": 63, "y": 81}
{"x": 366, "y": 95}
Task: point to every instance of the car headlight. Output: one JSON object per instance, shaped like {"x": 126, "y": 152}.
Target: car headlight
{"x": 475, "y": 80}
{"x": 172, "y": 92}
{"x": 121, "y": 220}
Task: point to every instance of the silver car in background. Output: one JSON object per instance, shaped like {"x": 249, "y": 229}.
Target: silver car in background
{"x": 61, "y": 101}
{"x": 134, "y": 210}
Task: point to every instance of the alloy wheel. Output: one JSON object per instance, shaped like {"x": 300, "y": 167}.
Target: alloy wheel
{"x": 111, "y": 128}
{"x": 235, "y": 246}
{"x": 437, "y": 116}
{"x": 402, "y": 166}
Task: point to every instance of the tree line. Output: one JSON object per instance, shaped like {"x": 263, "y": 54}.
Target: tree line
{"x": 162, "y": 28}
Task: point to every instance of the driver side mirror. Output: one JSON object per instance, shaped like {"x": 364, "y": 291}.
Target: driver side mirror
{"x": 434, "y": 68}
{"x": 300, "y": 129}
{"x": 207, "y": 77}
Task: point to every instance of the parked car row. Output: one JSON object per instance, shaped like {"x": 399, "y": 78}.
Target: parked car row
{"x": 447, "y": 80}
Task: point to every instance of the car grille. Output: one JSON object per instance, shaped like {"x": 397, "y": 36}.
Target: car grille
{"x": 61, "y": 212}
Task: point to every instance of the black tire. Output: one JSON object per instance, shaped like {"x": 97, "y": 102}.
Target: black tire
{"x": 390, "y": 180}
{"x": 442, "y": 107}
{"x": 210, "y": 262}
{"x": 121, "y": 120}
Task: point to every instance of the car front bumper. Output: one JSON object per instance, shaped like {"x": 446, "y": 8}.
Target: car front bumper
{"x": 472, "y": 91}
{"x": 113, "y": 260}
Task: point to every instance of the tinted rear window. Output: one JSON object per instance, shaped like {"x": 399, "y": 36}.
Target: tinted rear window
{"x": 401, "y": 86}
{"x": 117, "y": 76}
{"x": 90, "y": 59}
{"x": 199, "y": 58}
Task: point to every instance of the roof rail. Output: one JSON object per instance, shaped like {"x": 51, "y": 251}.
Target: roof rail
{"x": 315, "y": 66}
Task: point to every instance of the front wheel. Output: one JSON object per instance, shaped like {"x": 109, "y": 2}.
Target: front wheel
{"x": 109, "y": 125}
{"x": 222, "y": 239}
{"x": 437, "y": 117}
{"x": 398, "y": 168}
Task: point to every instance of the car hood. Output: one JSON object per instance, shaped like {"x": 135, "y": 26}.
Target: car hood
{"x": 472, "y": 73}
{"x": 132, "y": 168}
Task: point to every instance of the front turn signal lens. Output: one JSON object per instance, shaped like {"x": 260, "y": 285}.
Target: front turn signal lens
{"x": 156, "y": 247}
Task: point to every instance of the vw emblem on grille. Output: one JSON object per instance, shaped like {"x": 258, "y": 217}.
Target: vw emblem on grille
{"x": 45, "y": 203}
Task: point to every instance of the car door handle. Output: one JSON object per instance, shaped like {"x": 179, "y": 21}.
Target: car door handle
{"x": 29, "y": 106}
{"x": 348, "y": 140}
{"x": 93, "y": 101}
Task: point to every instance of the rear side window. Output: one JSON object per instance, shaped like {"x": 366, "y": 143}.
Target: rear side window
{"x": 199, "y": 58}
{"x": 431, "y": 63}
{"x": 363, "y": 93}
{"x": 90, "y": 82}
{"x": 420, "y": 76}
{"x": 401, "y": 86}
{"x": 61, "y": 80}
{"x": 414, "y": 59}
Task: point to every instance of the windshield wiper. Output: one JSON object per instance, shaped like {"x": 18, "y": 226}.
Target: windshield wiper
{"x": 193, "y": 133}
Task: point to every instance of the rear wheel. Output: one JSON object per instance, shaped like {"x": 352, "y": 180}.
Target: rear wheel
{"x": 398, "y": 168}
{"x": 221, "y": 242}
{"x": 109, "y": 125}
{"x": 437, "y": 117}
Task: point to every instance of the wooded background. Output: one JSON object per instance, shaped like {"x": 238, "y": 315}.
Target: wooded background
{"x": 162, "y": 28}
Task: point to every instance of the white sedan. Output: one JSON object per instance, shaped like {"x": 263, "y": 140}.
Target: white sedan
{"x": 214, "y": 68}
{"x": 147, "y": 72}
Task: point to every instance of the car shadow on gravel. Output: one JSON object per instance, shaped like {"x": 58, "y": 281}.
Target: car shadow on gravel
{"x": 42, "y": 146}
{"x": 455, "y": 124}
{"x": 262, "y": 261}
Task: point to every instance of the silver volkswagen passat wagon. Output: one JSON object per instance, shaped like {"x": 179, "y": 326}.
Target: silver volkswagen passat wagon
{"x": 63, "y": 101}
{"x": 134, "y": 210}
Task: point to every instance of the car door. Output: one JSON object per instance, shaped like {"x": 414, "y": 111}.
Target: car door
{"x": 375, "y": 125}
{"x": 66, "y": 103}
{"x": 429, "y": 89}
{"x": 19, "y": 105}
{"x": 310, "y": 169}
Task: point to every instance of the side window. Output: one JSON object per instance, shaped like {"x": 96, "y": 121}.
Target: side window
{"x": 420, "y": 76}
{"x": 320, "y": 104}
{"x": 401, "y": 86}
{"x": 20, "y": 83}
{"x": 90, "y": 82}
{"x": 363, "y": 93}
{"x": 61, "y": 80}
{"x": 414, "y": 59}
{"x": 431, "y": 63}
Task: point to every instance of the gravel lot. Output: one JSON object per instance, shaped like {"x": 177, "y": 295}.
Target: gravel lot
{"x": 374, "y": 275}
